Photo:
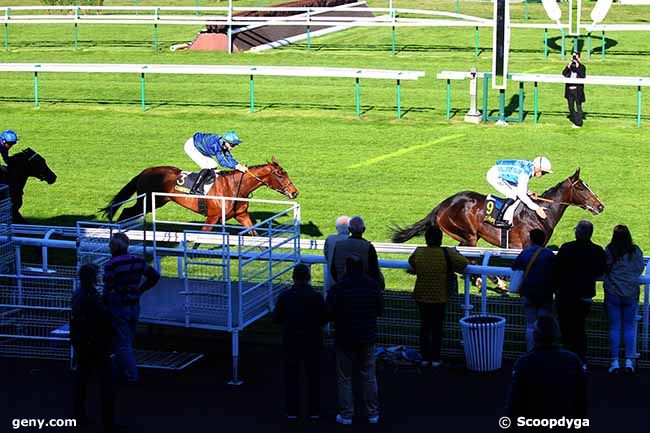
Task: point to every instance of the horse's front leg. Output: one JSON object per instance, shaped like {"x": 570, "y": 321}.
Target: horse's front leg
{"x": 209, "y": 222}
{"x": 244, "y": 219}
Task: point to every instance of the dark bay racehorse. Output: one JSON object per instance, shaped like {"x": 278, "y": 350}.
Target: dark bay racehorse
{"x": 228, "y": 184}
{"x": 23, "y": 165}
{"x": 461, "y": 215}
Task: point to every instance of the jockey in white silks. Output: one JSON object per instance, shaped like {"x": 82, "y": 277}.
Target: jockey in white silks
{"x": 510, "y": 177}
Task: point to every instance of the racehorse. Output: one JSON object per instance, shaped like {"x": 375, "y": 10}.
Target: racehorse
{"x": 21, "y": 166}
{"x": 461, "y": 216}
{"x": 228, "y": 184}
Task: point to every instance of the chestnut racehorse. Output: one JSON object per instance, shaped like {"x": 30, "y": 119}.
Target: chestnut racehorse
{"x": 228, "y": 184}
{"x": 461, "y": 215}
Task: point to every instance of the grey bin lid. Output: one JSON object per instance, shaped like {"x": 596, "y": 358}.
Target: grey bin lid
{"x": 482, "y": 320}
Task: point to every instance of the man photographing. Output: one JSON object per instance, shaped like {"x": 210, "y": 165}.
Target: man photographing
{"x": 575, "y": 93}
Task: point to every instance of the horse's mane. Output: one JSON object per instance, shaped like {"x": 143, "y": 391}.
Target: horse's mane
{"x": 24, "y": 153}
{"x": 552, "y": 190}
{"x": 250, "y": 167}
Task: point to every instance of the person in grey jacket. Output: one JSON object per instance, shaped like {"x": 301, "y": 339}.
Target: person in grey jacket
{"x": 342, "y": 232}
{"x": 624, "y": 266}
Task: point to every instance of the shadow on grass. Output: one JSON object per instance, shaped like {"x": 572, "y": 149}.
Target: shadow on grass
{"x": 62, "y": 220}
{"x": 259, "y": 107}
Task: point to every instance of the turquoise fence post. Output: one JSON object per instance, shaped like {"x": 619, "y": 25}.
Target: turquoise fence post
{"x": 563, "y": 44}
{"x": 6, "y": 29}
{"x": 144, "y": 107}
{"x": 137, "y": 5}
{"x": 476, "y": 42}
{"x": 546, "y": 43}
{"x": 536, "y": 103}
{"x": 155, "y": 32}
{"x": 252, "y": 89}
{"x": 357, "y": 97}
{"x": 457, "y": 6}
{"x": 638, "y": 107}
{"x": 575, "y": 44}
{"x": 76, "y": 27}
{"x": 399, "y": 102}
{"x": 448, "y": 99}
{"x": 521, "y": 101}
{"x": 525, "y": 10}
{"x": 589, "y": 45}
{"x": 308, "y": 38}
{"x": 196, "y": 5}
{"x": 602, "y": 47}
{"x": 36, "y": 89}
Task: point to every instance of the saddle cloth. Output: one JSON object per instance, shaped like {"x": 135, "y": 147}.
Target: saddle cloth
{"x": 187, "y": 179}
{"x": 494, "y": 209}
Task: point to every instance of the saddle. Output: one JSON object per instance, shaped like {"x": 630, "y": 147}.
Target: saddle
{"x": 495, "y": 208}
{"x": 186, "y": 183}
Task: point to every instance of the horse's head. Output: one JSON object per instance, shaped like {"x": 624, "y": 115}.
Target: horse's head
{"x": 581, "y": 195}
{"x": 277, "y": 178}
{"x": 33, "y": 165}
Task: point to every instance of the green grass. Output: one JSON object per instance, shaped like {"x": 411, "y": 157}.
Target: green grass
{"x": 94, "y": 135}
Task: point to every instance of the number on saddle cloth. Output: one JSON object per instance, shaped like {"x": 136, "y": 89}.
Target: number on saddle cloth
{"x": 495, "y": 207}
{"x": 187, "y": 179}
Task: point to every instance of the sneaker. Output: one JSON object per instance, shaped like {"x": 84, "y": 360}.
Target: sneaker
{"x": 614, "y": 368}
{"x": 576, "y": 126}
{"x": 585, "y": 368}
{"x": 373, "y": 419}
{"x": 436, "y": 364}
{"x": 629, "y": 366}
{"x": 292, "y": 417}
{"x": 344, "y": 421}
{"x": 314, "y": 417}
{"x": 425, "y": 364}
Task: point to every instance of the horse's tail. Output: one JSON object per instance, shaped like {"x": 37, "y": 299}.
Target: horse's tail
{"x": 127, "y": 191}
{"x": 404, "y": 234}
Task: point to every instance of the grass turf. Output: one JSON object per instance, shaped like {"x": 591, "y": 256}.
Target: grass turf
{"x": 94, "y": 135}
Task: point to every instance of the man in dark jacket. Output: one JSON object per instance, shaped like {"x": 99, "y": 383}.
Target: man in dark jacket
{"x": 536, "y": 290}
{"x": 575, "y": 93}
{"x": 358, "y": 246}
{"x": 354, "y": 304}
{"x": 548, "y": 383}
{"x": 301, "y": 312}
{"x": 90, "y": 335}
{"x": 577, "y": 266}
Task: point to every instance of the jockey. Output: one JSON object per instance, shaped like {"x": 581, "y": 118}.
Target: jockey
{"x": 204, "y": 147}
{"x": 510, "y": 177}
{"x": 7, "y": 139}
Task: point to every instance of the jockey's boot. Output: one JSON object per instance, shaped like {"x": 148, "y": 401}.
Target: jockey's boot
{"x": 205, "y": 174}
{"x": 507, "y": 213}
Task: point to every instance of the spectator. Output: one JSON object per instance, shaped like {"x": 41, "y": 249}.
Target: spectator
{"x": 341, "y": 234}
{"x": 90, "y": 335}
{"x": 126, "y": 277}
{"x": 357, "y": 245}
{"x": 547, "y": 383}
{"x": 432, "y": 291}
{"x": 301, "y": 312}
{"x": 354, "y": 304}
{"x": 621, "y": 284}
{"x": 537, "y": 286}
{"x": 575, "y": 93}
{"x": 577, "y": 266}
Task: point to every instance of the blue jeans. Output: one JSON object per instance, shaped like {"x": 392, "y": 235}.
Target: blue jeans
{"x": 532, "y": 312}
{"x": 622, "y": 317}
{"x": 125, "y": 321}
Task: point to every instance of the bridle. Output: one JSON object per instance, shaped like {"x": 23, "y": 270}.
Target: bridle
{"x": 568, "y": 203}
{"x": 263, "y": 182}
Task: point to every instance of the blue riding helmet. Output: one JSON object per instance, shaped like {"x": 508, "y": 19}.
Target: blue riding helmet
{"x": 231, "y": 137}
{"x": 9, "y": 136}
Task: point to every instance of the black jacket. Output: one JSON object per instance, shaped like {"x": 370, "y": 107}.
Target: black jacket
{"x": 577, "y": 265}
{"x": 301, "y": 312}
{"x": 90, "y": 325}
{"x": 581, "y": 72}
{"x": 548, "y": 383}
{"x": 353, "y": 305}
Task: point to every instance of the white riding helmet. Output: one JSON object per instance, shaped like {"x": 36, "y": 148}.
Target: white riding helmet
{"x": 542, "y": 163}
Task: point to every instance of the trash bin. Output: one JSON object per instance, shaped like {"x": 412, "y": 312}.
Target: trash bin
{"x": 483, "y": 341}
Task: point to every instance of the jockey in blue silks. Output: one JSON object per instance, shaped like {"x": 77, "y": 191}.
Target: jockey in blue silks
{"x": 510, "y": 177}
{"x": 203, "y": 148}
{"x": 7, "y": 139}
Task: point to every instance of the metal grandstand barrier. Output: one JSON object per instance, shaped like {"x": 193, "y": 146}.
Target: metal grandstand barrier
{"x": 34, "y": 315}
{"x": 93, "y": 237}
{"x": 7, "y": 257}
